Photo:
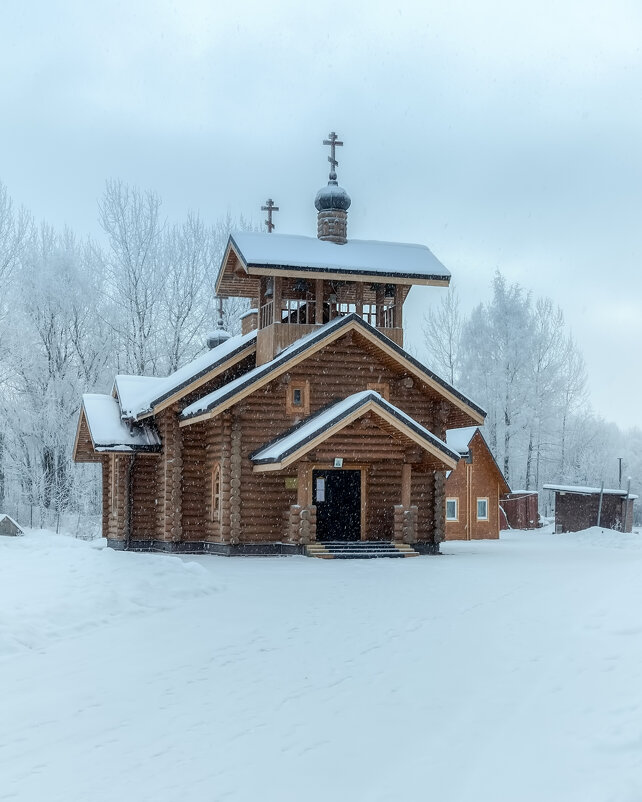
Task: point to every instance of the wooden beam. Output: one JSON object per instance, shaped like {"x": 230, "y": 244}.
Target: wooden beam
{"x": 318, "y": 306}
{"x": 406, "y": 478}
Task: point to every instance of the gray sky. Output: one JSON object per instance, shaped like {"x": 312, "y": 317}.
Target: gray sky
{"x": 500, "y": 134}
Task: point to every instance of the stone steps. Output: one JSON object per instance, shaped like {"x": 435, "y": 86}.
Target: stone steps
{"x": 359, "y": 550}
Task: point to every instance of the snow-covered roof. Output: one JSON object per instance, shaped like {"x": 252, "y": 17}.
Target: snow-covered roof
{"x": 5, "y": 517}
{"x": 109, "y": 432}
{"x": 326, "y": 419}
{"x": 138, "y": 395}
{"x": 588, "y": 491}
{"x": 212, "y": 400}
{"x": 369, "y": 257}
{"x": 459, "y": 439}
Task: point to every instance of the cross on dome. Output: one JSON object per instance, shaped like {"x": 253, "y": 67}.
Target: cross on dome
{"x": 334, "y": 143}
{"x": 269, "y": 208}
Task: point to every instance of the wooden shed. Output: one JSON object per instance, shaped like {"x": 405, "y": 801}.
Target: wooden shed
{"x": 473, "y": 488}
{"x": 579, "y": 508}
{"x": 9, "y": 527}
{"x": 520, "y": 510}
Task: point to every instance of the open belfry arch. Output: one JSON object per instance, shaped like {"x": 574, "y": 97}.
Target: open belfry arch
{"x": 313, "y": 426}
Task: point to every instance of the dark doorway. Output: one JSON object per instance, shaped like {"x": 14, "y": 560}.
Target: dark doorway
{"x": 337, "y": 496}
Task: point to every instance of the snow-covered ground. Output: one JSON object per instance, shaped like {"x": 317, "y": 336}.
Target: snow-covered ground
{"x": 503, "y": 671}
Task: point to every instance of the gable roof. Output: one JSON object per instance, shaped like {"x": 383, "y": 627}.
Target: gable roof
{"x": 16, "y": 526}
{"x": 258, "y": 253}
{"x": 109, "y": 432}
{"x": 460, "y": 440}
{"x": 324, "y": 424}
{"x": 223, "y": 398}
{"x": 141, "y": 396}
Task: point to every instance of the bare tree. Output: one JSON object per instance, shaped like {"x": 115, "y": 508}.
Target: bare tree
{"x": 442, "y": 335}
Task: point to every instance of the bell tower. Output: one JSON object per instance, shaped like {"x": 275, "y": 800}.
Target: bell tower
{"x": 332, "y": 202}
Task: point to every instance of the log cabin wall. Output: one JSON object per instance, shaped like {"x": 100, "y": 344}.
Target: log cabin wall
{"x": 343, "y": 368}
{"x": 169, "y": 477}
{"x": 144, "y": 497}
{"x": 116, "y": 492}
{"x": 196, "y": 490}
{"x": 104, "y": 461}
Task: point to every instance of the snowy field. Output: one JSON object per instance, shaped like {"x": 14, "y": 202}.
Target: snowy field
{"x": 502, "y": 671}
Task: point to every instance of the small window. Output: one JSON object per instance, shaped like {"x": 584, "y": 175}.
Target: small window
{"x": 383, "y": 388}
{"x": 482, "y": 509}
{"x": 451, "y": 509}
{"x": 298, "y": 398}
{"x": 215, "y": 508}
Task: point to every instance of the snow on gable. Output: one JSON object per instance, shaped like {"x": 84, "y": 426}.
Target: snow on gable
{"x": 228, "y": 391}
{"x": 138, "y": 395}
{"x": 369, "y": 257}
{"x": 326, "y": 419}
{"x": 109, "y": 432}
{"x": 459, "y": 439}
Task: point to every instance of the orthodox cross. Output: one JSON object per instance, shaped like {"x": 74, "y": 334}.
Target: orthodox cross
{"x": 269, "y": 208}
{"x": 334, "y": 143}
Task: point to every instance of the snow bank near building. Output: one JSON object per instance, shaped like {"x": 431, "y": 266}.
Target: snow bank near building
{"x": 53, "y": 587}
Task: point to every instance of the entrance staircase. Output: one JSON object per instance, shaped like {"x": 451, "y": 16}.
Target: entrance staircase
{"x": 359, "y": 550}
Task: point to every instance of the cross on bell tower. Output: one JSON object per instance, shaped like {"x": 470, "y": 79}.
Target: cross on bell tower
{"x": 334, "y": 143}
{"x": 269, "y": 208}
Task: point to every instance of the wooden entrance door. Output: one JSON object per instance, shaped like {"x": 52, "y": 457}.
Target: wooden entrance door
{"x": 337, "y": 496}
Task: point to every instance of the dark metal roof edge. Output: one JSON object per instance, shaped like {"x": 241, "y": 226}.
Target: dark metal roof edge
{"x": 178, "y": 388}
{"x": 323, "y": 332}
{"x": 360, "y": 271}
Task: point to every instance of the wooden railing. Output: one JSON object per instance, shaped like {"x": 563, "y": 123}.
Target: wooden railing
{"x": 303, "y": 312}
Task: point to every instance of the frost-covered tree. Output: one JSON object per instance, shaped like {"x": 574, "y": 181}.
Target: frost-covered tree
{"x": 442, "y": 335}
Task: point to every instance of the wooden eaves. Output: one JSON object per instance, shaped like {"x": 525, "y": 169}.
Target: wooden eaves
{"x": 326, "y": 335}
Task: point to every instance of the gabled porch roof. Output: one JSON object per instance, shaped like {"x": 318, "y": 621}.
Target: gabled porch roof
{"x": 324, "y": 424}
{"x": 102, "y": 430}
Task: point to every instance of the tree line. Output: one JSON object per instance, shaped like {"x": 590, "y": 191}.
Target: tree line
{"x": 74, "y": 312}
{"x": 515, "y": 356}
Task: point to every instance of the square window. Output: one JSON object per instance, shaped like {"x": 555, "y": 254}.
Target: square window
{"x": 298, "y": 398}
{"x": 451, "y": 509}
{"x": 482, "y": 509}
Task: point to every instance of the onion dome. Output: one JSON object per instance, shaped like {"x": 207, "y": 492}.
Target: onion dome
{"x": 217, "y": 337}
{"x": 332, "y": 197}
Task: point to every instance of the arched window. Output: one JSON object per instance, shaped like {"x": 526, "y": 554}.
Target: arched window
{"x": 215, "y": 505}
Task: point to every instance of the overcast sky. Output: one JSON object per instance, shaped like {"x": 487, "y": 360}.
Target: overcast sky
{"x": 500, "y": 134}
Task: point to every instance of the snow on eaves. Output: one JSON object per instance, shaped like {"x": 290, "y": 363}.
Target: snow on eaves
{"x": 403, "y": 260}
{"x": 321, "y": 421}
{"x": 109, "y": 432}
{"x": 459, "y": 439}
{"x": 138, "y": 395}
{"x": 588, "y": 491}
{"x": 213, "y": 399}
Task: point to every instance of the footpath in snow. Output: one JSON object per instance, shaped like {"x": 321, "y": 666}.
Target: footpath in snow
{"x": 505, "y": 671}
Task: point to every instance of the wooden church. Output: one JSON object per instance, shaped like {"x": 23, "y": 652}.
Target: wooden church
{"x": 313, "y": 431}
